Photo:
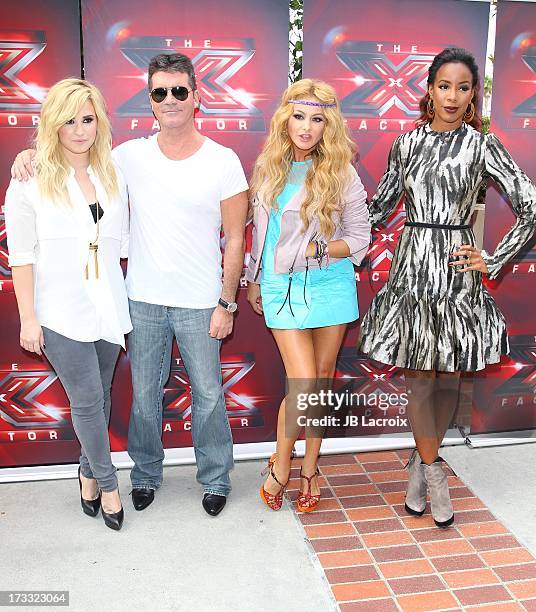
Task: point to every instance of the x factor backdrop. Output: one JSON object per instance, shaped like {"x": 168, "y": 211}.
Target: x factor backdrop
{"x": 376, "y": 55}
{"x": 504, "y": 397}
{"x": 39, "y": 44}
{"x": 240, "y": 53}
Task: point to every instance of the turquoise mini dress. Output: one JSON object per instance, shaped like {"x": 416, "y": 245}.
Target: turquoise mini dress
{"x": 328, "y": 296}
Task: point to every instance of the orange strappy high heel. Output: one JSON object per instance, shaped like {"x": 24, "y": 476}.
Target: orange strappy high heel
{"x": 274, "y": 502}
{"x": 306, "y": 501}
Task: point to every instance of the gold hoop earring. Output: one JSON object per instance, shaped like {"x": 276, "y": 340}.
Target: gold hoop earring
{"x": 430, "y": 110}
{"x": 469, "y": 113}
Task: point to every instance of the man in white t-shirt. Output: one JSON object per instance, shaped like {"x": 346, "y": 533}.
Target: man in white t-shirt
{"x": 182, "y": 188}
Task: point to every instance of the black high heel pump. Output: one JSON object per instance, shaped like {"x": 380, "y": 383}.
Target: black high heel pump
{"x": 89, "y": 506}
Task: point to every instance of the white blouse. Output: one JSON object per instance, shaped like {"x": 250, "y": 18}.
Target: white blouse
{"x": 55, "y": 239}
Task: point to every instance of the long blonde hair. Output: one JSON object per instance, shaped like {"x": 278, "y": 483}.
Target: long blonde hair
{"x": 63, "y": 102}
{"x": 329, "y": 173}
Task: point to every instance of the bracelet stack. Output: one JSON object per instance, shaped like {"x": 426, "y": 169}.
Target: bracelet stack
{"x": 321, "y": 252}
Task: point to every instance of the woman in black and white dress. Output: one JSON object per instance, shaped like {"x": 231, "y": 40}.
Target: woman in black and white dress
{"x": 434, "y": 318}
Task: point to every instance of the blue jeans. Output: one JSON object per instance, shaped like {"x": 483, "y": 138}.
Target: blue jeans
{"x": 149, "y": 349}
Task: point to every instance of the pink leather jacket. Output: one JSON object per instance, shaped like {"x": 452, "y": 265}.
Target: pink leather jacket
{"x": 351, "y": 225}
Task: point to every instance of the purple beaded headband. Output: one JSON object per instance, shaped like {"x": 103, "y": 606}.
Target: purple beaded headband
{"x": 309, "y": 103}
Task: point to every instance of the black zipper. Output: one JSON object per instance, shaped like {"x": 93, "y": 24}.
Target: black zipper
{"x": 260, "y": 261}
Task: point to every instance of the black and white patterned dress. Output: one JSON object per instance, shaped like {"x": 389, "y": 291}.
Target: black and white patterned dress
{"x": 427, "y": 316}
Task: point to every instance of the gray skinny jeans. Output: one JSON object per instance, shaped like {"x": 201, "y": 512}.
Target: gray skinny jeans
{"x": 85, "y": 370}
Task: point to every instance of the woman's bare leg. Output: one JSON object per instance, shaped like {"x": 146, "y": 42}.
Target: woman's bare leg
{"x": 446, "y": 401}
{"x": 327, "y": 343}
{"x": 297, "y": 353}
{"x": 420, "y": 385}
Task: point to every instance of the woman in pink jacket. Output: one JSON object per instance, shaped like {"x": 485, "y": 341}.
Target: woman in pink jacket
{"x": 310, "y": 224}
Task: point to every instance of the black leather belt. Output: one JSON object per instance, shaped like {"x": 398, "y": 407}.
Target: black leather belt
{"x": 438, "y": 225}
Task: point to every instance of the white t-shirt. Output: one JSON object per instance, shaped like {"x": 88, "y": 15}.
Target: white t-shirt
{"x": 174, "y": 254}
{"x": 55, "y": 239}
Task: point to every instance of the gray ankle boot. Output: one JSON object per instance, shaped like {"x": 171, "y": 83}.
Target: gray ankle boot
{"x": 416, "y": 494}
{"x": 438, "y": 488}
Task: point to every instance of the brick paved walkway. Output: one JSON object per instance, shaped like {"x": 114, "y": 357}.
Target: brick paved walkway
{"x": 376, "y": 557}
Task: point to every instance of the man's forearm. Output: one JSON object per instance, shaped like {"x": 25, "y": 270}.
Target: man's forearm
{"x": 233, "y": 264}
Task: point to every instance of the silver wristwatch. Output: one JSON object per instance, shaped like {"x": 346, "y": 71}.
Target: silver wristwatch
{"x": 229, "y": 306}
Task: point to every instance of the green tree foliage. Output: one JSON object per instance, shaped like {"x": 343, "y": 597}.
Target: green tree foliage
{"x": 295, "y": 40}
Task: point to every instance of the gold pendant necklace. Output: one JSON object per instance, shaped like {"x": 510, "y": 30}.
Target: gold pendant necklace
{"x": 93, "y": 248}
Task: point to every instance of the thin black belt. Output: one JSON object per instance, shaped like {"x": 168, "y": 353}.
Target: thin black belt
{"x": 438, "y": 225}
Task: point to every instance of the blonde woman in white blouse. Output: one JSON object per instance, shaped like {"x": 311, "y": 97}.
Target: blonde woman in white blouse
{"x": 66, "y": 229}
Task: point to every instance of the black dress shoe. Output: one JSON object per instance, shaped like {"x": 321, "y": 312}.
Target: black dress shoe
{"x": 142, "y": 497}
{"x": 113, "y": 520}
{"x": 213, "y": 504}
{"x": 89, "y": 506}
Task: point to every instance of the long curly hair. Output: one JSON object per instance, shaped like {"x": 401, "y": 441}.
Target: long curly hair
{"x": 329, "y": 174}
{"x": 452, "y": 55}
{"x": 63, "y": 102}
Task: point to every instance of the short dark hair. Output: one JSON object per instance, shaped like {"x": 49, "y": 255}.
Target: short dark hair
{"x": 453, "y": 55}
{"x": 172, "y": 62}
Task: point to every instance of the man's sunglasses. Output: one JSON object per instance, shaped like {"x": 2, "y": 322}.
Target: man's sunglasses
{"x": 159, "y": 94}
